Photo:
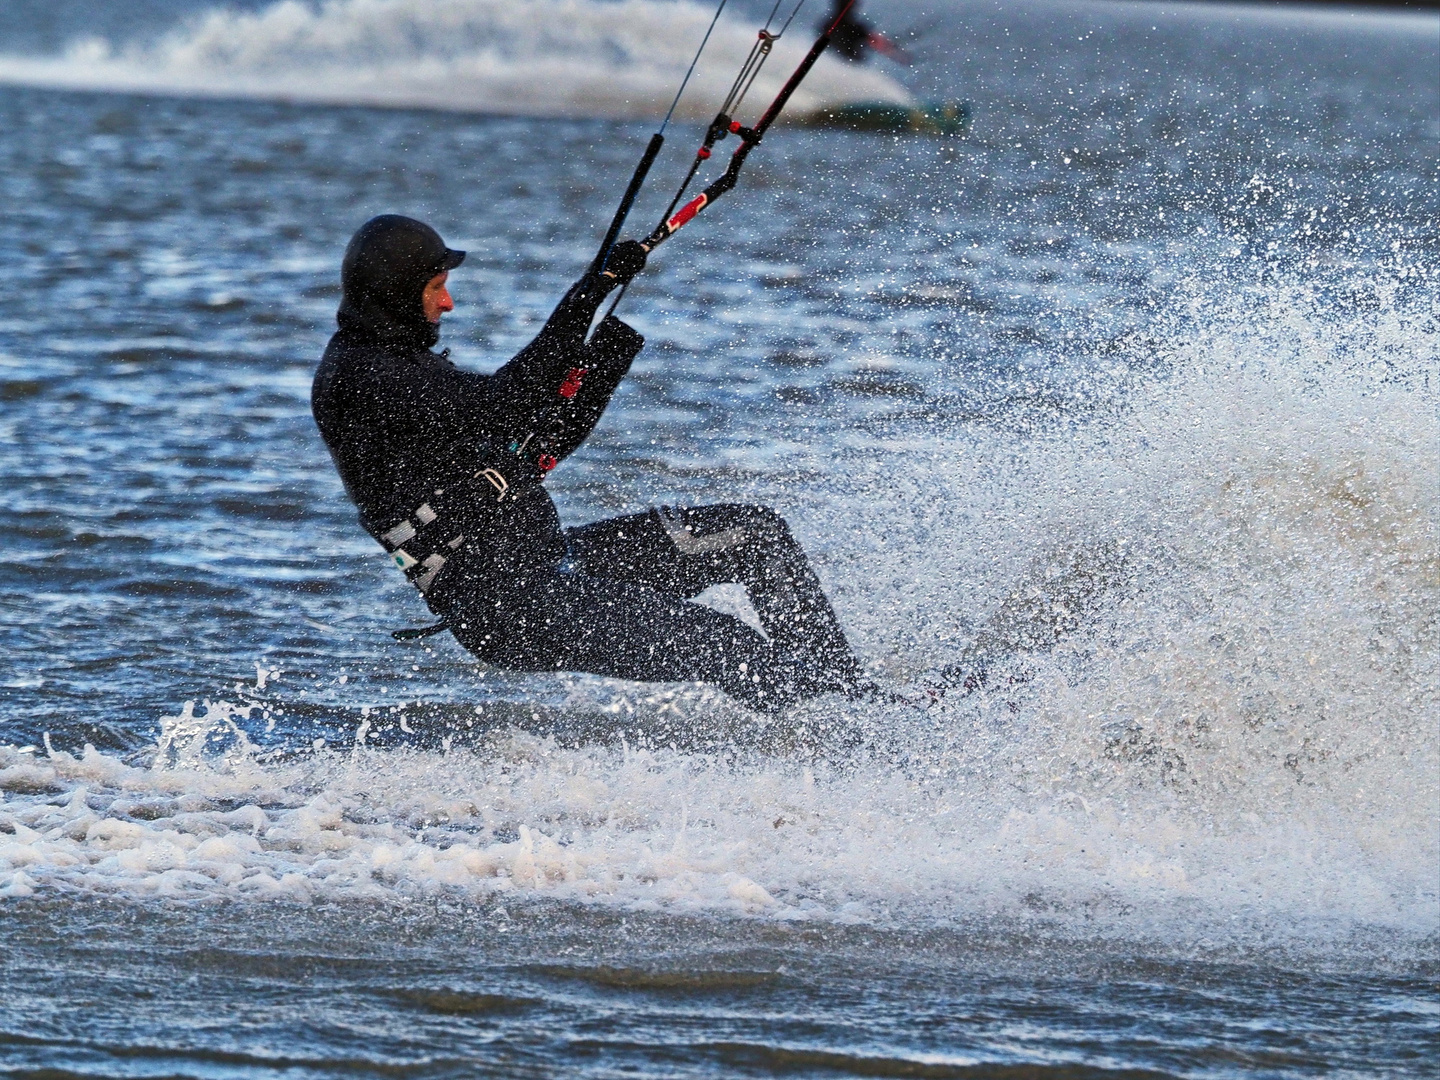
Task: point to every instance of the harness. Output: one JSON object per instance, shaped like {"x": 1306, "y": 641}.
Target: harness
{"x": 419, "y": 543}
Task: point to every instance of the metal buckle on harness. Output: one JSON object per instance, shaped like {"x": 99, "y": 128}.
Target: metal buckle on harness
{"x": 497, "y": 481}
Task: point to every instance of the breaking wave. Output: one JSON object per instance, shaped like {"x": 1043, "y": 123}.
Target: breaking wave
{"x": 569, "y": 58}
{"x": 1210, "y": 684}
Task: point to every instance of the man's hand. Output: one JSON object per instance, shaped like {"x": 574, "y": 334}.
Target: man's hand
{"x": 627, "y": 259}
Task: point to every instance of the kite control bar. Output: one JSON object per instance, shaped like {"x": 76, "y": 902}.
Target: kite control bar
{"x": 637, "y": 179}
{"x": 749, "y": 136}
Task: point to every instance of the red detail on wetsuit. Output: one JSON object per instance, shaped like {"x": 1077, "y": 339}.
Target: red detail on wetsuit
{"x": 547, "y": 462}
{"x": 571, "y": 386}
{"x": 688, "y": 211}
{"x": 702, "y": 153}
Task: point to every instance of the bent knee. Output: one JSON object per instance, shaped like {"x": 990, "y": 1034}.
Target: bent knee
{"x": 761, "y": 525}
{"x": 725, "y": 527}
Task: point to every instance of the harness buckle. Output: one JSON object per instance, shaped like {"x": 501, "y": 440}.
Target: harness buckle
{"x": 497, "y": 481}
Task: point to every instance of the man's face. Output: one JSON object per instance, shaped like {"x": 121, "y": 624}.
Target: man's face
{"x": 435, "y": 300}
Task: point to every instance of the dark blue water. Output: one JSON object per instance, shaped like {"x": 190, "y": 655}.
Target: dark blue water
{"x": 1130, "y": 390}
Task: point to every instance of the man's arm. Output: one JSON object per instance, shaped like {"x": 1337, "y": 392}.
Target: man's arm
{"x": 581, "y": 399}
{"x": 538, "y": 370}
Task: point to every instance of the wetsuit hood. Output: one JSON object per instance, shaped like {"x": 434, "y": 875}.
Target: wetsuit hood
{"x": 387, "y": 264}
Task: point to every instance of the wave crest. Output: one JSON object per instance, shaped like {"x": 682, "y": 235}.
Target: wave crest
{"x": 561, "y": 58}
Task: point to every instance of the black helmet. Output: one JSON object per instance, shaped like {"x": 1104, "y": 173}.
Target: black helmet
{"x": 387, "y": 264}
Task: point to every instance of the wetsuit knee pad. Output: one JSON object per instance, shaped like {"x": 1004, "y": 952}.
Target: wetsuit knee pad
{"x": 765, "y": 525}
{"x": 744, "y": 526}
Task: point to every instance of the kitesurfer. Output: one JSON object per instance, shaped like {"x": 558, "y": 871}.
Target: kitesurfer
{"x": 447, "y": 467}
{"x": 853, "y": 39}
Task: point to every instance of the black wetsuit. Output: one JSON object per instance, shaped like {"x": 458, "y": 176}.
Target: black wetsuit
{"x": 851, "y": 37}
{"x": 446, "y": 467}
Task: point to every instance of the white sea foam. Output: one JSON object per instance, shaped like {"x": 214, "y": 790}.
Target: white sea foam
{"x": 525, "y": 57}
{"x": 1240, "y": 737}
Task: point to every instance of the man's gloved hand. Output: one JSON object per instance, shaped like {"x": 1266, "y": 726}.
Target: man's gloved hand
{"x": 627, "y": 259}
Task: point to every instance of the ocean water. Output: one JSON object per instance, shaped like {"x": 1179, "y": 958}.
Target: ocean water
{"x": 1126, "y": 398}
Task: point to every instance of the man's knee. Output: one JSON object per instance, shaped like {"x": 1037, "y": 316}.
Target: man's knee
{"x": 762, "y": 526}
{"x": 726, "y": 529}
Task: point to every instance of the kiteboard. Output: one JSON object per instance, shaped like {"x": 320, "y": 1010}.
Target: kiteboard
{"x": 925, "y": 118}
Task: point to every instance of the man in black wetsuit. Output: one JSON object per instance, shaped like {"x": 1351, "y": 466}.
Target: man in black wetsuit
{"x": 854, "y": 39}
{"x": 447, "y": 468}
{"x": 851, "y": 37}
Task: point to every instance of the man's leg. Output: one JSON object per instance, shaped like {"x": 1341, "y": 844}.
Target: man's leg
{"x": 682, "y": 552}
{"x": 577, "y": 622}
